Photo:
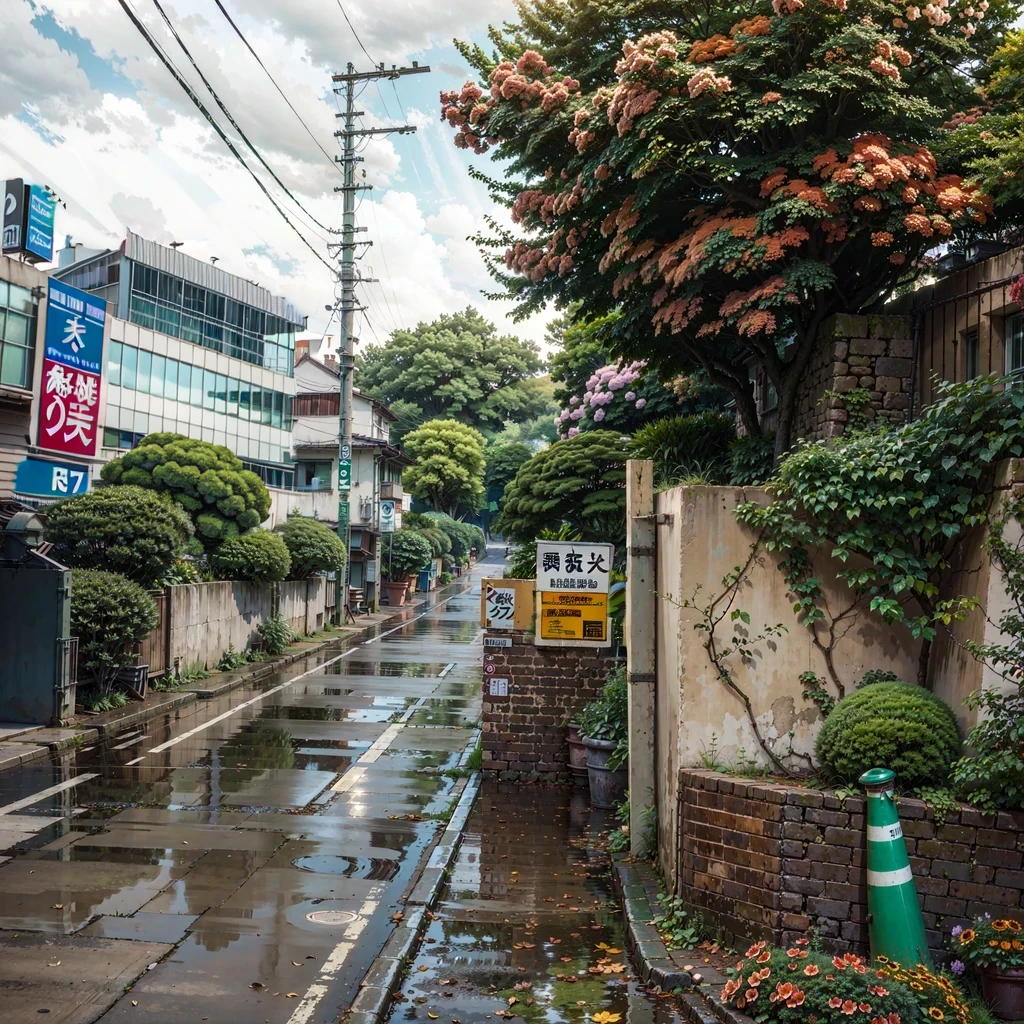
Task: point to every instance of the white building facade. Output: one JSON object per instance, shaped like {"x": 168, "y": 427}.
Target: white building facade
{"x": 376, "y": 467}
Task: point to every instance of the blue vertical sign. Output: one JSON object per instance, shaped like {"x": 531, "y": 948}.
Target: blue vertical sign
{"x": 36, "y": 478}
{"x": 39, "y": 227}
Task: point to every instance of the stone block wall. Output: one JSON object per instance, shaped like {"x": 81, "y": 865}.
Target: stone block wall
{"x": 771, "y": 861}
{"x": 524, "y": 734}
{"x": 870, "y": 352}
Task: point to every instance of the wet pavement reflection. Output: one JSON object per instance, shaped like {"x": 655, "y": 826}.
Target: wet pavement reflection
{"x": 527, "y": 927}
{"x": 252, "y": 848}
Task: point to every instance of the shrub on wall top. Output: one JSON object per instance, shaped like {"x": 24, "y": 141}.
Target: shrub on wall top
{"x": 314, "y": 547}
{"x": 207, "y": 480}
{"x": 127, "y": 530}
{"x": 890, "y": 725}
{"x": 257, "y": 557}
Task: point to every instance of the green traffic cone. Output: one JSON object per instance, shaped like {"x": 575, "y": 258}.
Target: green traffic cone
{"x": 895, "y": 925}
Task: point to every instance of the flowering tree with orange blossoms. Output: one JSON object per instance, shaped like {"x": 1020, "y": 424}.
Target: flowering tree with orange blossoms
{"x": 726, "y": 176}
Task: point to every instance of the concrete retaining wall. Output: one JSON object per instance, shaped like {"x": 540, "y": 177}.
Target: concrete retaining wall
{"x": 763, "y": 860}
{"x": 303, "y": 603}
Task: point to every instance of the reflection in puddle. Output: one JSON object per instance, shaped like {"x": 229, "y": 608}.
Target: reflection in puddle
{"x": 378, "y": 868}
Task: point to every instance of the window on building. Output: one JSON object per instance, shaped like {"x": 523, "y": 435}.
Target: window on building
{"x": 972, "y": 353}
{"x": 17, "y": 335}
{"x": 144, "y": 381}
{"x": 315, "y": 474}
{"x": 1015, "y": 344}
{"x": 325, "y": 404}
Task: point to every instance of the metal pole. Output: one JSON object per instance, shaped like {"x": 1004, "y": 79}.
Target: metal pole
{"x": 346, "y": 360}
{"x": 640, "y": 637}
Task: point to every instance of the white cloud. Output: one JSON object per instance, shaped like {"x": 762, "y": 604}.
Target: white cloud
{"x": 151, "y": 162}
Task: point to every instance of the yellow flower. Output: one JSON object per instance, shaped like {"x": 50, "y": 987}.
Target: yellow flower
{"x": 917, "y": 986}
{"x": 1014, "y": 926}
{"x": 935, "y": 1013}
{"x": 993, "y": 943}
{"x": 604, "y": 1017}
{"x": 1000, "y": 926}
{"x": 1005, "y": 945}
{"x": 966, "y": 936}
{"x": 1017, "y": 944}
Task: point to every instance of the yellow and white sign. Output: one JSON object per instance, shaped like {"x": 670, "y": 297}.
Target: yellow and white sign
{"x": 573, "y": 581}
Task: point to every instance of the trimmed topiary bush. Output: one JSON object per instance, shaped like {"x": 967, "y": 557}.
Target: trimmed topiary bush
{"x": 258, "y": 557}
{"x": 890, "y": 725}
{"x": 109, "y": 615}
{"x": 207, "y": 480}
{"x": 406, "y": 552}
{"x": 314, "y": 547}
{"x": 128, "y": 530}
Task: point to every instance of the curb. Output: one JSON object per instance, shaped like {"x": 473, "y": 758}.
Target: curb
{"x": 376, "y": 991}
{"x": 42, "y": 749}
{"x": 655, "y": 966}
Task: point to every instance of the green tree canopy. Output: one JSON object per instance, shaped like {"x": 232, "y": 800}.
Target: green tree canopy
{"x": 580, "y": 482}
{"x": 207, "y": 480}
{"x": 726, "y": 176}
{"x": 503, "y": 461}
{"x": 127, "y": 530}
{"x": 314, "y": 547}
{"x": 449, "y": 465}
{"x": 456, "y": 367}
{"x": 258, "y": 557}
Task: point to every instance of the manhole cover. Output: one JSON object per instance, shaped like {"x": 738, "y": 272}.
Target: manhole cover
{"x": 331, "y": 917}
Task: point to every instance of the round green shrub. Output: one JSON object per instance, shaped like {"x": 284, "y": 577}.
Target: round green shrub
{"x": 406, "y": 552}
{"x": 128, "y": 530}
{"x": 314, "y": 547}
{"x": 257, "y": 557}
{"x": 890, "y": 725}
{"x": 207, "y": 480}
{"x": 109, "y": 614}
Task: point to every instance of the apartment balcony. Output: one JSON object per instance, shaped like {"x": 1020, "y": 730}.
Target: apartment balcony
{"x": 392, "y": 491}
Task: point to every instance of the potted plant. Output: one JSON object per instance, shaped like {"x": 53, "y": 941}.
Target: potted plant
{"x": 995, "y": 948}
{"x": 577, "y": 751}
{"x": 604, "y": 729}
{"x": 408, "y": 549}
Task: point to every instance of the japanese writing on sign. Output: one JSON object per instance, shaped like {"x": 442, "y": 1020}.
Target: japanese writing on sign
{"x": 501, "y": 607}
{"x": 563, "y": 565}
{"x": 73, "y": 358}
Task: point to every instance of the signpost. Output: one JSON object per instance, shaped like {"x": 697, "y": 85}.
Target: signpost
{"x": 343, "y": 513}
{"x": 345, "y": 475}
{"x": 72, "y": 366}
{"x": 573, "y": 581}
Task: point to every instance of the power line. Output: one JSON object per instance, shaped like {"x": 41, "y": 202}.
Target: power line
{"x": 231, "y": 120}
{"x": 276, "y": 86}
{"x": 166, "y": 61}
{"x": 355, "y": 33}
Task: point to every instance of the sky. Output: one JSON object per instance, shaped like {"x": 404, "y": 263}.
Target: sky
{"x": 87, "y": 109}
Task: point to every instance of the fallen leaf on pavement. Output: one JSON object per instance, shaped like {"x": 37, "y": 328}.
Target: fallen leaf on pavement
{"x": 607, "y": 948}
{"x": 432, "y": 1016}
{"x": 57, "y": 964}
{"x": 422, "y": 967}
{"x": 135, "y": 1002}
{"x": 291, "y": 995}
{"x": 57, "y": 906}
{"x": 295, "y": 963}
{"x": 257, "y": 985}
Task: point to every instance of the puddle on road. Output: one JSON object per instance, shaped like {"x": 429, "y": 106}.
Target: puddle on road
{"x": 528, "y": 927}
{"x": 380, "y": 869}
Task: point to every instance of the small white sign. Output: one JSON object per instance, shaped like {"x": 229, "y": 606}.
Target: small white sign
{"x": 498, "y": 687}
{"x": 489, "y": 668}
{"x": 497, "y": 641}
{"x": 567, "y": 565}
{"x": 501, "y": 607}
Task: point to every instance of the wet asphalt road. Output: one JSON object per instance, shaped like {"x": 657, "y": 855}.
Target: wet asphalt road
{"x": 252, "y": 849}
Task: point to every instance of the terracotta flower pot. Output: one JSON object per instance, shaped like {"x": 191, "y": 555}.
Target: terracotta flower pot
{"x": 396, "y": 592}
{"x": 1003, "y": 989}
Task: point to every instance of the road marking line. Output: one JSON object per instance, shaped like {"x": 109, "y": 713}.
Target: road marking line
{"x": 333, "y": 964}
{"x": 245, "y": 704}
{"x": 135, "y": 760}
{"x": 28, "y": 801}
{"x": 446, "y": 670}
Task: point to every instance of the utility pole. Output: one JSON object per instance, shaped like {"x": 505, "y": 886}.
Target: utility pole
{"x": 348, "y": 278}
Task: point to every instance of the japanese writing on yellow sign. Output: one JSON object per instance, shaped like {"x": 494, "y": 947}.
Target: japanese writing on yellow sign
{"x": 573, "y": 581}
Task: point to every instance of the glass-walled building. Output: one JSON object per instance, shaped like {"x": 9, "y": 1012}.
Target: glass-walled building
{"x": 193, "y": 350}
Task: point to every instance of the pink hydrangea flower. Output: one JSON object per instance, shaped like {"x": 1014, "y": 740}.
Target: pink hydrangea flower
{"x": 573, "y": 431}
{"x": 630, "y": 396}
{"x": 641, "y": 402}
{"x": 599, "y": 415}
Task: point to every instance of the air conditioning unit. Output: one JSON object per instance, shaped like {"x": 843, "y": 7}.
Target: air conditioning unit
{"x": 366, "y": 509}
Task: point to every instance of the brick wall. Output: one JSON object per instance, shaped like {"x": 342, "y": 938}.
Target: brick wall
{"x": 872, "y": 352}
{"x": 524, "y": 735}
{"x": 771, "y": 861}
